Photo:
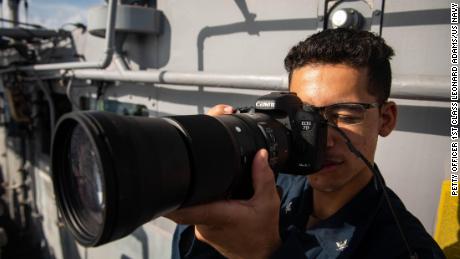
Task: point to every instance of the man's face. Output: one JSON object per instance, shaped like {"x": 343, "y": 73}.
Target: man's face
{"x": 325, "y": 84}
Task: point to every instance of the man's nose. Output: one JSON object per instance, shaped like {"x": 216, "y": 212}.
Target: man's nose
{"x": 332, "y": 136}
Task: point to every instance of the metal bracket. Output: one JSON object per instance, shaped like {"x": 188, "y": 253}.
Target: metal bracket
{"x": 130, "y": 19}
{"x": 377, "y": 17}
{"x": 372, "y": 11}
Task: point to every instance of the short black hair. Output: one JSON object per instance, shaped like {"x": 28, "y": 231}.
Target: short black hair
{"x": 358, "y": 49}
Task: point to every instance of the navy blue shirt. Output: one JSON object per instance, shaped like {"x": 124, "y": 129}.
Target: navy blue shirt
{"x": 363, "y": 228}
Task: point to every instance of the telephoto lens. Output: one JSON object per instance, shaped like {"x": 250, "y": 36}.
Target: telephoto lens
{"x": 113, "y": 173}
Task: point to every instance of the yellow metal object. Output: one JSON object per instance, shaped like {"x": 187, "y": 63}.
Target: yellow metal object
{"x": 447, "y": 232}
{"x": 17, "y": 105}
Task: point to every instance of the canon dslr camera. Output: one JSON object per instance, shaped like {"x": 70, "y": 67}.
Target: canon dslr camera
{"x": 113, "y": 173}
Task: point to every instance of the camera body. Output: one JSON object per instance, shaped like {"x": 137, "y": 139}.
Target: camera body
{"x": 307, "y": 130}
{"x": 294, "y": 135}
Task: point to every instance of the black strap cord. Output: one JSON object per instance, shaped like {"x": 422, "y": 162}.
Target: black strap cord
{"x": 378, "y": 183}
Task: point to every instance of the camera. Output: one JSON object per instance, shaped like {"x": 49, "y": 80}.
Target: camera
{"x": 113, "y": 173}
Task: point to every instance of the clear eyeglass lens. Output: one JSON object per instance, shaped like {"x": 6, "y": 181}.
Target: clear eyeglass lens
{"x": 345, "y": 114}
{"x": 86, "y": 188}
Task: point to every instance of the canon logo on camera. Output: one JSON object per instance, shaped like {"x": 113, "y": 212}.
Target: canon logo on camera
{"x": 265, "y": 104}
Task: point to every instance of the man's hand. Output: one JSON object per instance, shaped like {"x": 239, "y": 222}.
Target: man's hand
{"x": 221, "y": 109}
{"x": 240, "y": 228}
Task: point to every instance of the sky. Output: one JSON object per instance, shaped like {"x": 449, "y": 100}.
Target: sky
{"x": 55, "y": 13}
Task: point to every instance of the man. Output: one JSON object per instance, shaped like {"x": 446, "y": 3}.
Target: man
{"x": 339, "y": 211}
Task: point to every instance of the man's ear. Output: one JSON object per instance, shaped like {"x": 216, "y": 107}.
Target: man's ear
{"x": 388, "y": 117}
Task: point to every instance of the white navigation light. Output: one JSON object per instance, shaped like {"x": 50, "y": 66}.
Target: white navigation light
{"x": 346, "y": 18}
{"x": 340, "y": 18}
